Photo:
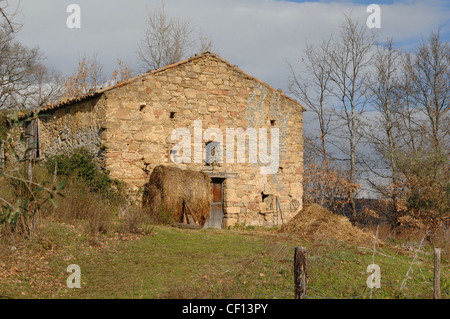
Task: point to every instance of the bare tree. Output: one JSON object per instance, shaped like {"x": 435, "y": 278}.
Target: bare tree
{"x": 8, "y": 16}
{"x": 382, "y": 132}
{"x": 167, "y": 40}
{"x": 25, "y": 82}
{"x": 409, "y": 121}
{"x": 122, "y": 73}
{"x": 349, "y": 60}
{"x": 423, "y": 159}
{"x": 18, "y": 65}
{"x": 50, "y": 86}
{"x": 335, "y": 90}
{"x": 428, "y": 73}
{"x": 410, "y": 93}
{"x": 408, "y": 136}
{"x": 205, "y": 43}
{"x": 312, "y": 90}
{"x": 86, "y": 78}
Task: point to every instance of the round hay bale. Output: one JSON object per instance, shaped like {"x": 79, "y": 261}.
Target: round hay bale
{"x": 171, "y": 192}
{"x": 315, "y": 222}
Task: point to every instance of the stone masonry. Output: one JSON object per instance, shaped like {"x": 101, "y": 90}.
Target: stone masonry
{"x": 130, "y": 127}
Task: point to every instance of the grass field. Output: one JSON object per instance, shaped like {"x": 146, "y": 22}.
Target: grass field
{"x": 169, "y": 262}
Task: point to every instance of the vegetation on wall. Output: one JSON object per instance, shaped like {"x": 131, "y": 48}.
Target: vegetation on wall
{"x": 26, "y": 196}
{"x": 83, "y": 165}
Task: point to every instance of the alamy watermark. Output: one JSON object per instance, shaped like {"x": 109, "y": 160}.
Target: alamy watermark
{"x": 374, "y": 279}
{"x": 73, "y": 21}
{"x": 374, "y": 19}
{"x": 208, "y": 146}
{"x": 74, "y": 280}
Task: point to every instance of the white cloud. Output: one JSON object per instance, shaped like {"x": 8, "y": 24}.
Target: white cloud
{"x": 258, "y": 36}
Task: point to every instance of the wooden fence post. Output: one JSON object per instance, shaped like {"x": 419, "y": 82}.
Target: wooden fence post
{"x": 30, "y": 170}
{"x": 300, "y": 275}
{"x": 437, "y": 273}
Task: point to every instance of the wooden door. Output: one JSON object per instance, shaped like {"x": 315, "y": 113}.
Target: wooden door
{"x": 215, "y": 219}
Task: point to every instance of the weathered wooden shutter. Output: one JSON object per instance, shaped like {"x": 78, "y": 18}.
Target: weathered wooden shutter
{"x": 32, "y": 137}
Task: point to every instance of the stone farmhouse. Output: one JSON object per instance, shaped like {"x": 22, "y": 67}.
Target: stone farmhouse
{"x": 201, "y": 114}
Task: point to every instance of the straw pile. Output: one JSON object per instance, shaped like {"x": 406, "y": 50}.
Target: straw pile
{"x": 314, "y": 222}
{"x": 171, "y": 192}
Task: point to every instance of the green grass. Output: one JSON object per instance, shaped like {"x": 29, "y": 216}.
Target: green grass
{"x": 182, "y": 263}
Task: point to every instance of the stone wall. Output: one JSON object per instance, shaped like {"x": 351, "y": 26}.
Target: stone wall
{"x": 131, "y": 126}
{"x": 69, "y": 127}
{"x": 141, "y": 117}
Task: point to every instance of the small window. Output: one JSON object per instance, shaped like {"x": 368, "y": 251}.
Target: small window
{"x": 172, "y": 115}
{"x": 272, "y": 122}
{"x": 173, "y": 154}
{"x": 212, "y": 153}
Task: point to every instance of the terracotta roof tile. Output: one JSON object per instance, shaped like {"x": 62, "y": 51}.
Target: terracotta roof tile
{"x": 150, "y": 73}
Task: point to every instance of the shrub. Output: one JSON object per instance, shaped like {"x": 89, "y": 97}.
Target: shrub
{"x": 328, "y": 186}
{"x": 425, "y": 200}
{"x": 82, "y": 164}
{"x": 133, "y": 221}
{"x": 26, "y": 196}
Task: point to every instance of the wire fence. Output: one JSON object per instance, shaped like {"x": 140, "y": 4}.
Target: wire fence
{"x": 411, "y": 279}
